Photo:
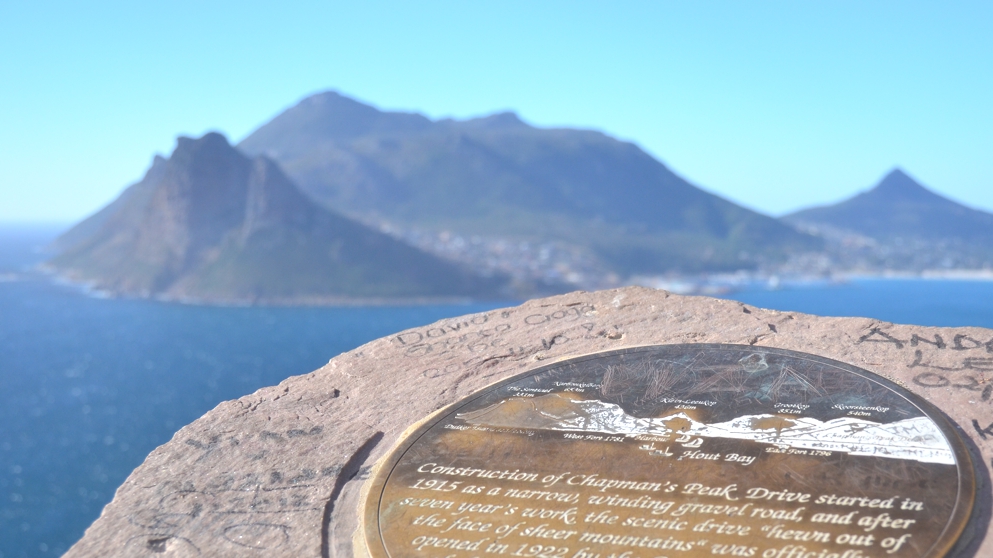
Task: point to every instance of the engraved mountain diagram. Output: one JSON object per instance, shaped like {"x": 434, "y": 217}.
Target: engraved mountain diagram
{"x": 209, "y": 223}
{"x": 916, "y": 438}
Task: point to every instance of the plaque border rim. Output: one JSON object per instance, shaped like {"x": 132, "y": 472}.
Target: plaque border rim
{"x": 946, "y": 541}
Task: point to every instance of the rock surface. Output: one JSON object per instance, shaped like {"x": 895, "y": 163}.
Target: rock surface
{"x": 278, "y": 472}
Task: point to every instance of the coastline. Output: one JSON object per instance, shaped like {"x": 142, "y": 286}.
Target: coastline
{"x": 89, "y": 289}
{"x": 716, "y": 285}
{"x": 720, "y": 284}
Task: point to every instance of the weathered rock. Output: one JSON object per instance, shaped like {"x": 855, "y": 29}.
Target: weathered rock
{"x": 278, "y": 472}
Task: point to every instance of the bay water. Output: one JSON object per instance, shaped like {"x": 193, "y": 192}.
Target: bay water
{"x": 89, "y": 386}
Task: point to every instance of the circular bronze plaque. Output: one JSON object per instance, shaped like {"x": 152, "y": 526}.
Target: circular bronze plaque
{"x": 677, "y": 450}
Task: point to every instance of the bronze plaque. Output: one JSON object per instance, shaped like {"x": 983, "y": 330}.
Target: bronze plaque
{"x": 677, "y": 451}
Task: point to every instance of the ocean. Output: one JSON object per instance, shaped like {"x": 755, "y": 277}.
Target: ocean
{"x": 89, "y": 386}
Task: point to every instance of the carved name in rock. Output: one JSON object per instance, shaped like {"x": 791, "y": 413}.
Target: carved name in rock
{"x": 677, "y": 450}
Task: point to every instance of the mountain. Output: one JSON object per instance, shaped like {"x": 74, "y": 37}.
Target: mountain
{"x": 498, "y": 177}
{"x": 209, "y": 223}
{"x": 899, "y": 207}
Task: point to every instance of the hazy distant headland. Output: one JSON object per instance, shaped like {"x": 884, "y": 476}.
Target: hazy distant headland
{"x": 334, "y": 200}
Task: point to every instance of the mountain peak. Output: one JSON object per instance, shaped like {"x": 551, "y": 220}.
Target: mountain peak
{"x": 210, "y": 140}
{"x": 898, "y": 184}
{"x": 506, "y": 119}
{"x": 327, "y": 117}
{"x": 336, "y": 102}
{"x": 197, "y": 154}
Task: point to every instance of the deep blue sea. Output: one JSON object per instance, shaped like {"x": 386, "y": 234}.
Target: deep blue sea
{"x": 90, "y": 386}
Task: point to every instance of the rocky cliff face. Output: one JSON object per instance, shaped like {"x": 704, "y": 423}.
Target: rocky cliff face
{"x": 210, "y": 223}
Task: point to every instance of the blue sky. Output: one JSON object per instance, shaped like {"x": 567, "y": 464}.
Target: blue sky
{"x": 775, "y": 105}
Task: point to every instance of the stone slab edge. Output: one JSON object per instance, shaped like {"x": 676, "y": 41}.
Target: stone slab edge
{"x": 279, "y": 472}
